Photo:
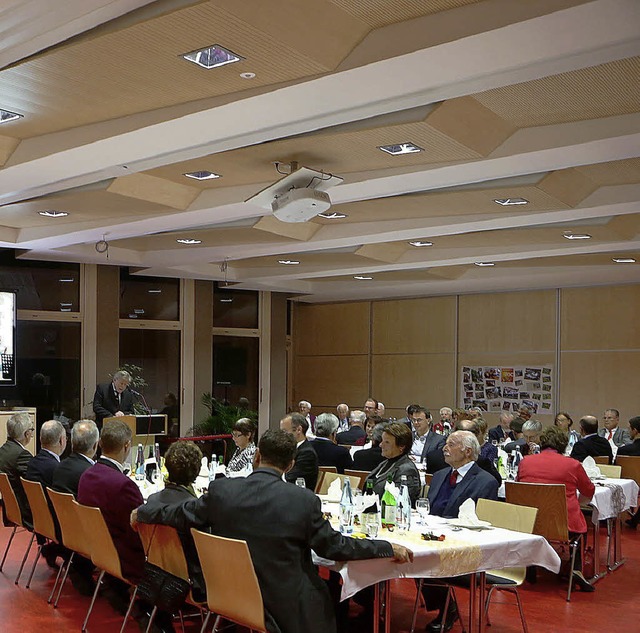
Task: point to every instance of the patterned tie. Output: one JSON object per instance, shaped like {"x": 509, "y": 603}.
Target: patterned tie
{"x": 453, "y": 478}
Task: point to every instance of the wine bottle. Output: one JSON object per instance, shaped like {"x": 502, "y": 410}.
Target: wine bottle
{"x": 389, "y": 506}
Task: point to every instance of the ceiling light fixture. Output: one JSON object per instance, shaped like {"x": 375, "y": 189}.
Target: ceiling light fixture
{"x": 576, "y": 236}
{"x": 400, "y": 149}
{"x": 288, "y": 262}
{"x": 248, "y": 75}
{"x": 419, "y": 243}
{"x": 66, "y": 305}
{"x": 154, "y": 291}
{"x": 213, "y": 56}
{"x": 65, "y": 309}
{"x": 6, "y": 116}
{"x": 483, "y": 264}
{"x": 624, "y": 260}
{"x": 53, "y": 214}
{"x": 509, "y": 202}
{"x": 362, "y": 277}
{"x": 226, "y": 300}
{"x": 332, "y": 216}
{"x": 202, "y": 175}
{"x": 190, "y": 241}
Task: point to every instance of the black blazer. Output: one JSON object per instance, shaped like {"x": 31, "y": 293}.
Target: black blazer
{"x": 351, "y": 436}
{"x": 67, "y": 475}
{"x": 436, "y": 462}
{"x": 14, "y": 461}
{"x": 41, "y": 468}
{"x": 281, "y": 525}
{"x": 330, "y": 454}
{"x": 593, "y": 445}
{"x": 367, "y": 458}
{"x": 105, "y": 403}
{"x": 396, "y": 467}
{"x": 630, "y": 449}
{"x": 497, "y": 433}
{"x": 306, "y": 465}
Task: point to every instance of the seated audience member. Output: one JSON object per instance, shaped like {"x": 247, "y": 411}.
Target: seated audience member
{"x": 281, "y": 525}
{"x": 487, "y": 449}
{"x": 304, "y": 408}
{"x": 380, "y": 409}
{"x": 53, "y": 440}
{"x": 306, "y": 459}
{"x": 356, "y": 433}
{"x": 243, "y": 433}
{"x": 633, "y": 448}
{"x": 450, "y": 487}
{"x": 343, "y": 417}
{"x": 369, "y": 458}
{"x": 525, "y": 413}
{"x": 515, "y": 426}
{"x": 14, "y": 458}
{"x": 473, "y": 413}
{"x": 84, "y": 445}
{"x": 550, "y": 466}
{"x": 612, "y": 431}
{"x": 182, "y": 462}
{"x": 444, "y": 422}
{"x": 424, "y": 438}
{"x": 395, "y": 445}
{"x": 529, "y": 443}
{"x": 408, "y": 419}
{"x": 458, "y": 414}
{"x": 590, "y": 442}
{"x": 329, "y": 454}
{"x": 501, "y": 431}
{"x": 370, "y": 407}
{"x": 564, "y": 422}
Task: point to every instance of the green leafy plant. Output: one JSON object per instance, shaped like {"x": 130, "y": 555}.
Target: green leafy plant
{"x": 221, "y": 416}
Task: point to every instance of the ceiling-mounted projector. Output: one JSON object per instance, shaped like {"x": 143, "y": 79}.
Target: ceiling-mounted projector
{"x": 300, "y": 205}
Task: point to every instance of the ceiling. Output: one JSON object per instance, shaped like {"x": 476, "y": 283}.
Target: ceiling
{"x": 536, "y": 99}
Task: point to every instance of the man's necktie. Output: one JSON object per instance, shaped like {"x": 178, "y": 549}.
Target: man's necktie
{"x": 453, "y": 478}
{"x": 610, "y": 435}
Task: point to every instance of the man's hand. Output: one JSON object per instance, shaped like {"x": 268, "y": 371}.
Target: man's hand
{"x": 119, "y": 414}
{"x": 134, "y": 519}
{"x": 400, "y": 553}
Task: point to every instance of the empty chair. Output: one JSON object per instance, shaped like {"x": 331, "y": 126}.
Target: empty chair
{"x": 630, "y": 467}
{"x": 12, "y": 515}
{"x": 614, "y": 472}
{"x": 362, "y": 474}
{"x": 329, "y": 478}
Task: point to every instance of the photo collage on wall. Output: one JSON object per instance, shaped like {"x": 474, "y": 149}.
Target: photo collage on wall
{"x": 497, "y": 389}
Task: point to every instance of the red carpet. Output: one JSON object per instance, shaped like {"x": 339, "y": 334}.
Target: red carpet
{"x": 612, "y": 607}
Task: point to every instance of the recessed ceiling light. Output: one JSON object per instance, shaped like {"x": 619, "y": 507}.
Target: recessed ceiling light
{"x": 226, "y": 300}
{"x": 66, "y": 280}
{"x": 576, "y": 236}
{"x": 624, "y": 260}
{"x": 508, "y": 202}
{"x": 419, "y": 243}
{"x": 212, "y": 57}
{"x": 189, "y": 241}
{"x": 154, "y": 291}
{"x": 362, "y": 277}
{"x": 332, "y": 216}
{"x": 53, "y": 214}
{"x": 400, "y": 148}
{"x": 248, "y": 75}
{"x": 288, "y": 262}
{"x": 202, "y": 175}
{"x": 6, "y": 116}
{"x": 481, "y": 264}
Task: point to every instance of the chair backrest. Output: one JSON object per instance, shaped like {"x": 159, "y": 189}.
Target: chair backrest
{"x": 362, "y": 474}
{"x": 610, "y": 471}
{"x": 11, "y": 508}
{"x": 329, "y": 478}
{"x": 507, "y": 515}
{"x": 630, "y": 467}
{"x": 232, "y": 585}
{"x": 601, "y": 459}
{"x": 103, "y": 552}
{"x": 551, "y": 501}
{"x": 73, "y": 534}
{"x": 42, "y": 520}
{"x": 328, "y": 469}
{"x": 163, "y": 547}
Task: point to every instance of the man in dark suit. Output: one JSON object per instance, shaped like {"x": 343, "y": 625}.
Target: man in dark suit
{"x": 450, "y": 487}
{"x": 424, "y": 439}
{"x": 113, "y": 398}
{"x": 591, "y": 443}
{"x": 84, "y": 444}
{"x": 304, "y": 408}
{"x": 501, "y": 430}
{"x": 306, "y": 459}
{"x": 53, "y": 440}
{"x": 634, "y": 434}
{"x": 356, "y": 433}
{"x": 369, "y": 458}
{"x": 281, "y": 525}
{"x": 14, "y": 458}
{"x": 329, "y": 454}
{"x": 612, "y": 431}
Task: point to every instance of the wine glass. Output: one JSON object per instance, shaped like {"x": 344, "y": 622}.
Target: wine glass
{"x": 422, "y": 506}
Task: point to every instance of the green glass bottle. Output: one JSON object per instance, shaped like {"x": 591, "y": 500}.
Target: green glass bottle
{"x": 389, "y": 507}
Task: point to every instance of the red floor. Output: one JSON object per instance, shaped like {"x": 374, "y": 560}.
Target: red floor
{"x": 614, "y": 605}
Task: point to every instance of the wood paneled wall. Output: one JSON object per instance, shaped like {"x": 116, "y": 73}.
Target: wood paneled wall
{"x": 410, "y": 350}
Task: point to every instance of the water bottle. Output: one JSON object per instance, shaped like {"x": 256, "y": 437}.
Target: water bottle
{"x": 212, "y": 467}
{"x": 404, "y": 506}
{"x": 346, "y": 508}
{"x": 140, "y": 463}
{"x": 156, "y": 455}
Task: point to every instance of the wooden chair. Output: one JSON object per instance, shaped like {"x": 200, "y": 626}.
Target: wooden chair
{"x": 363, "y": 474}
{"x": 630, "y": 467}
{"x": 322, "y": 470}
{"x": 103, "y": 554}
{"x": 551, "y": 522}
{"x": 43, "y": 523}
{"x": 614, "y": 472}
{"x": 601, "y": 459}
{"x": 73, "y": 535}
{"x": 329, "y": 478}
{"x": 164, "y": 549}
{"x": 13, "y": 515}
{"x": 511, "y": 517}
{"x": 239, "y": 601}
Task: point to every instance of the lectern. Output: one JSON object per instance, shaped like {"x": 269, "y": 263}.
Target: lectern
{"x": 144, "y": 427}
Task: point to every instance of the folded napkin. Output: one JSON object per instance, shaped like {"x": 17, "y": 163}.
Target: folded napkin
{"x": 204, "y": 468}
{"x": 335, "y": 490}
{"x": 393, "y": 489}
{"x": 467, "y": 514}
{"x": 591, "y": 468}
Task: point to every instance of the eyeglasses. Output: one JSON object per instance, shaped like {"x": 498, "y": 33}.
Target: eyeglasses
{"x": 236, "y": 434}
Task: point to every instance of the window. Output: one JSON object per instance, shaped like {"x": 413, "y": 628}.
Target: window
{"x": 234, "y": 308}
{"x": 149, "y": 298}
{"x": 236, "y": 369}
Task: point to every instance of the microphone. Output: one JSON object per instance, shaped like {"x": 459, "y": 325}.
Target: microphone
{"x": 134, "y": 392}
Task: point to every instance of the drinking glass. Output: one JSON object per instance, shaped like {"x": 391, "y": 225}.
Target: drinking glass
{"x": 301, "y": 483}
{"x": 422, "y": 506}
{"x": 373, "y": 521}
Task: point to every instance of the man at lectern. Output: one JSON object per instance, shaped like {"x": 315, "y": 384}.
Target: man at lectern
{"x": 113, "y": 398}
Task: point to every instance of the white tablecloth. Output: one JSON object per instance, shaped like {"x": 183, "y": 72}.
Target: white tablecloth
{"x": 602, "y": 501}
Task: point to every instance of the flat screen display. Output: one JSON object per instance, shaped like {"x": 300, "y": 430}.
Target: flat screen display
{"x": 7, "y": 338}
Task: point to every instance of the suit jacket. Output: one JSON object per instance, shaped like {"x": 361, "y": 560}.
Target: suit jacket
{"x": 476, "y": 484}
{"x": 436, "y": 462}
{"x": 593, "y": 445}
{"x": 41, "y": 467}
{"x": 330, "y": 454}
{"x": 620, "y": 436}
{"x": 104, "y": 486}
{"x": 431, "y": 443}
{"x": 368, "y": 458}
{"x": 306, "y": 465}
{"x": 281, "y": 525}
{"x": 14, "y": 460}
{"x": 66, "y": 476}
{"x": 351, "y": 436}
{"x": 396, "y": 467}
{"x": 498, "y": 433}
{"x": 549, "y": 467}
{"x": 105, "y": 403}
{"x": 630, "y": 449}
